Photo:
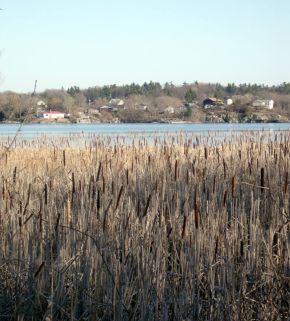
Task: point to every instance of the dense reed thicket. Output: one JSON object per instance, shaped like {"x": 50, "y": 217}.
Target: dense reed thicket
{"x": 171, "y": 230}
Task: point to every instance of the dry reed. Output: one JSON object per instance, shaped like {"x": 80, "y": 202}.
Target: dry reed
{"x": 175, "y": 229}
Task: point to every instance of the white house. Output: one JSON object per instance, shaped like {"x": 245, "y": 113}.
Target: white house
{"x": 105, "y": 107}
{"x": 54, "y": 115}
{"x": 41, "y": 103}
{"x": 169, "y": 110}
{"x": 116, "y": 102}
{"x": 268, "y": 104}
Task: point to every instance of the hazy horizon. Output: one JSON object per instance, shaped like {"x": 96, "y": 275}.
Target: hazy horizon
{"x": 94, "y": 43}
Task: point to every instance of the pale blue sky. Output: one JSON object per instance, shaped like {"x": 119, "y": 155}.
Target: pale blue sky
{"x": 87, "y": 43}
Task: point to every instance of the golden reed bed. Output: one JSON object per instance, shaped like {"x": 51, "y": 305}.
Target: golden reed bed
{"x": 162, "y": 231}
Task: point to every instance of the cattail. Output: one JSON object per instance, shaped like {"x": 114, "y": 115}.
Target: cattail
{"x": 99, "y": 171}
{"x": 119, "y": 197}
{"x": 73, "y": 183}
{"x": 183, "y": 226}
{"x": 28, "y": 218}
{"x": 250, "y": 168}
{"x": 275, "y": 244}
{"x": 112, "y": 188}
{"x": 241, "y": 249}
{"x": 262, "y": 179}
{"x": 40, "y": 216}
{"x": 20, "y": 206}
{"x": 138, "y": 207}
{"x": 3, "y": 189}
{"x": 50, "y": 184}
{"x": 204, "y": 173}
{"x": 225, "y": 169}
{"x": 196, "y": 212}
{"x": 14, "y": 174}
{"x": 147, "y": 206}
{"x": 63, "y": 157}
{"x": 39, "y": 269}
{"x": 233, "y": 186}
{"x": 98, "y": 200}
{"x": 27, "y": 200}
{"x": 45, "y": 194}
{"x": 216, "y": 248}
{"x": 169, "y": 230}
{"x": 68, "y": 210}
{"x": 104, "y": 185}
{"x": 90, "y": 187}
{"x": 91, "y": 191}
{"x": 57, "y": 222}
{"x": 225, "y": 198}
{"x": 193, "y": 170}
{"x": 106, "y": 214}
{"x": 176, "y": 170}
{"x": 127, "y": 177}
{"x": 286, "y": 183}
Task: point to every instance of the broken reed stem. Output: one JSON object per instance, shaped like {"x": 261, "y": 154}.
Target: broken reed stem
{"x": 27, "y": 200}
{"x": 257, "y": 186}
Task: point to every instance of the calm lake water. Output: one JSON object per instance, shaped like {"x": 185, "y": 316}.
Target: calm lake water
{"x": 127, "y": 131}
{"x": 36, "y": 130}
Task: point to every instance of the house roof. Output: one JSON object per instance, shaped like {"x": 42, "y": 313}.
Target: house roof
{"x": 117, "y": 102}
{"x": 41, "y": 103}
{"x": 213, "y": 99}
{"x": 52, "y": 112}
{"x": 263, "y": 100}
{"x": 106, "y": 107}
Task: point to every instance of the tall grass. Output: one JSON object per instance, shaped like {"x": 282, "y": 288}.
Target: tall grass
{"x": 168, "y": 230}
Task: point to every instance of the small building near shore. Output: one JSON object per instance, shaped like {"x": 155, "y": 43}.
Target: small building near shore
{"x": 42, "y": 104}
{"x": 116, "y": 102}
{"x": 169, "y": 110}
{"x": 54, "y": 115}
{"x": 107, "y": 108}
{"x": 212, "y": 102}
{"x": 264, "y": 103}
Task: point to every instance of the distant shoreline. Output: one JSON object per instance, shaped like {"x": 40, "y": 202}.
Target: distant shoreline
{"x": 145, "y": 122}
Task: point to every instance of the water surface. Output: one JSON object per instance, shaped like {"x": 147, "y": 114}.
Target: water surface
{"x": 78, "y": 133}
{"x": 38, "y": 130}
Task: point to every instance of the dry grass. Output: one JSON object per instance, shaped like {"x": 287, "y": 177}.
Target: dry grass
{"x": 174, "y": 230}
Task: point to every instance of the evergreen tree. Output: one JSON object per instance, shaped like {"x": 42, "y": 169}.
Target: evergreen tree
{"x": 190, "y": 96}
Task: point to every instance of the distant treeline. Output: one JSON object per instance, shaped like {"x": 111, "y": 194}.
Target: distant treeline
{"x": 169, "y": 89}
{"x": 15, "y": 106}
